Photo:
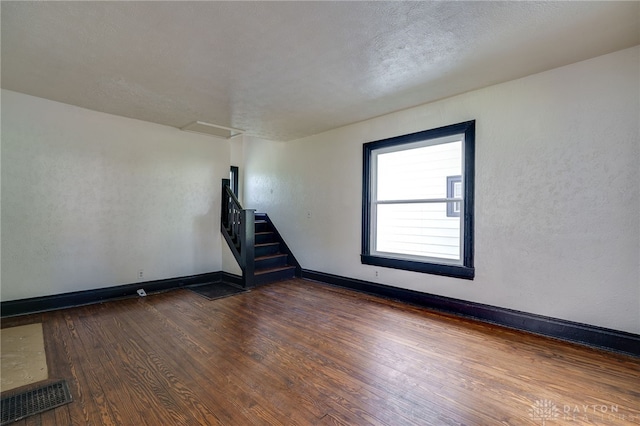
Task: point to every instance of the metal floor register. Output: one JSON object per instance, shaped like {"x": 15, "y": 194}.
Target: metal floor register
{"x": 19, "y": 406}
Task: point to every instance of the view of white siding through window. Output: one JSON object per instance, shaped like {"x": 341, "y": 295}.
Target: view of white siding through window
{"x": 409, "y": 207}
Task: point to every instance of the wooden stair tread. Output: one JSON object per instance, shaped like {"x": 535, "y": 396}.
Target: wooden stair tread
{"x": 276, "y": 269}
{"x": 271, "y": 256}
{"x": 267, "y": 244}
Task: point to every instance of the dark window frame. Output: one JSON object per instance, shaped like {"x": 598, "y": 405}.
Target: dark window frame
{"x": 234, "y": 178}
{"x": 466, "y": 270}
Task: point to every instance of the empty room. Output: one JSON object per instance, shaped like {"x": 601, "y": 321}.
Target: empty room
{"x": 200, "y": 223}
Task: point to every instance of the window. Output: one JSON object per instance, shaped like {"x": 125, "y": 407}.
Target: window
{"x": 417, "y": 211}
{"x": 234, "y": 175}
{"x": 454, "y": 190}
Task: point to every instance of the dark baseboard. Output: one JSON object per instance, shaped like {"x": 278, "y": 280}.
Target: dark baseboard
{"x": 590, "y": 335}
{"x": 78, "y": 298}
{"x": 230, "y": 278}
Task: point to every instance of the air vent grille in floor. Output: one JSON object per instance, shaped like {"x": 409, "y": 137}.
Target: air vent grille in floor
{"x": 19, "y": 406}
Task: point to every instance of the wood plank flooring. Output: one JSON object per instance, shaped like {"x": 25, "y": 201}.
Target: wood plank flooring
{"x": 299, "y": 352}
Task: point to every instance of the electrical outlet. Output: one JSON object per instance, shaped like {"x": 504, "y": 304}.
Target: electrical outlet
{"x": 140, "y": 273}
{"x": 308, "y": 215}
{"x": 376, "y": 274}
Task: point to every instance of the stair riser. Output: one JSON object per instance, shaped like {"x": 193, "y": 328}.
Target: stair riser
{"x": 274, "y": 276}
{"x": 270, "y": 263}
{"x": 265, "y": 238}
{"x": 266, "y": 251}
{"x": 262, "y": 227}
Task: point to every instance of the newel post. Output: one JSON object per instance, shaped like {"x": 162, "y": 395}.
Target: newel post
{"x": 247, "y": 249}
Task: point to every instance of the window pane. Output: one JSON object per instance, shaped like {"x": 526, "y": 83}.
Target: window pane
{"x": 457, "y": 189}
{"x": 418, "y": 230}
{"x": 419, "y": 173}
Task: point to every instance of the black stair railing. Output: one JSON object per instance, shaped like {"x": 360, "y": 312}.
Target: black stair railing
{"x": 238, "y": 228}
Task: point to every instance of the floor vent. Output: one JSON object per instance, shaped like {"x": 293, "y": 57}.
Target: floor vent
{"x": 217, "y": 290}
{"x": 17, "y": 407}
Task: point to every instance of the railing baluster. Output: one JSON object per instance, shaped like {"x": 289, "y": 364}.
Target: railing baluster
{"x": 239, "y": 224}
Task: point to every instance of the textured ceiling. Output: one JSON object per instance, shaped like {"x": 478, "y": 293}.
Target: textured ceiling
{"x": 283, "y": 70}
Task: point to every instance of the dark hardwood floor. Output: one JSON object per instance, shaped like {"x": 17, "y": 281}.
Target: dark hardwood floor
{"x": 299, "y": 352}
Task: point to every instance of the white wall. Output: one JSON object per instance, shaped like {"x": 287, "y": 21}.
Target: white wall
{"x": 557, "y": 193}
{"x": 89, "y": 199}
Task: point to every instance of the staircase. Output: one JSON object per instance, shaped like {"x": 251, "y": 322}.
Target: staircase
{"x": 272, "y": 259}
{"x": 255, "y": 242}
